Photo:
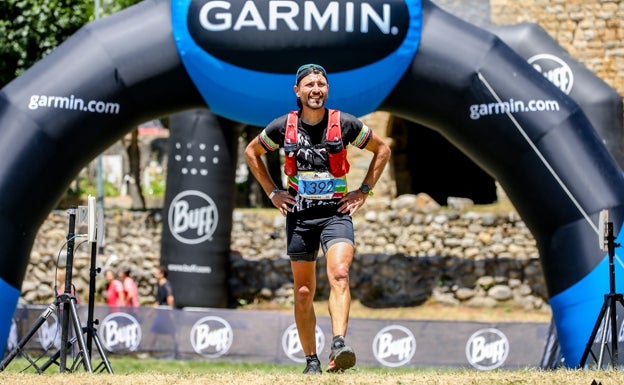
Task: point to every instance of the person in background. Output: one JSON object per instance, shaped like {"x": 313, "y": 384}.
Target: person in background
{"x": 164, "y": 293}
{"x": 131, "y": 291}
{"x": 114, "y": 290}
{"x": 163, "y": 323}
{"x": 318, "y": 205}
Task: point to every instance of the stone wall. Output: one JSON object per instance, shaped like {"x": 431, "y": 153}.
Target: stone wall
{"x": 592, "y": 31}
{"x": 409, "y": 250}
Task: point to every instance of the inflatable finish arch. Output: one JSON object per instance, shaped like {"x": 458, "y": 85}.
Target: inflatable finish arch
{"x": 406, "y": 57}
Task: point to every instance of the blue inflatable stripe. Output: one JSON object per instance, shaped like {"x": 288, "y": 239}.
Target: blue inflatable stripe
{"x": 8, "y": 300}
{"x": 255, "y": 98}
{"x": 576, "y": 310}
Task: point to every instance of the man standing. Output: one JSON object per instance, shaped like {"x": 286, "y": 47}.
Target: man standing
{"x": 163, "y": 323}
{"x": 164, "y": 292}
{"x": 318, "y": 206}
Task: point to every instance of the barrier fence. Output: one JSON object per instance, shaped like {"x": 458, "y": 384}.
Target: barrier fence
{"x": 271, "y": 337}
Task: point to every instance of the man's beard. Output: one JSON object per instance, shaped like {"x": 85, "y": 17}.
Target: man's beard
{"x": 314, "y": 105}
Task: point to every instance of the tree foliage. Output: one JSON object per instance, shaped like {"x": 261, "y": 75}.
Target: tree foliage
{"x": 31, "y": 29}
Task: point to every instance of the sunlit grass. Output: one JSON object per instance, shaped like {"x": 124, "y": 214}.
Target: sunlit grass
{"x": 132, "y": 371}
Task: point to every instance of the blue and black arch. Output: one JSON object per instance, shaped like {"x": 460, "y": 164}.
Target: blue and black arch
{"x": 238, "y": 58}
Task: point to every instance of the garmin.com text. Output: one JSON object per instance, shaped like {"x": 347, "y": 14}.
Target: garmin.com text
{"x": 73, "y": 103}
{"x": 512, "y": 106}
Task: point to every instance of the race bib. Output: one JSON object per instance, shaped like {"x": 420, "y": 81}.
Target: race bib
{"x": 319, "y": 185}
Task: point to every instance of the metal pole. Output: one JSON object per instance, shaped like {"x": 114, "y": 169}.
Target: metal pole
{"x": 68, "y": 287}
{"x": 612, "y": 297}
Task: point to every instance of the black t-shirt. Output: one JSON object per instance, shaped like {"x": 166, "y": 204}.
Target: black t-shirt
{"x": 164, "y": 291}
{"x": 312, "y": 153}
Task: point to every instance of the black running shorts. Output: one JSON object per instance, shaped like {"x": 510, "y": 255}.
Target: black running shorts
{"x": 306, "y": 231}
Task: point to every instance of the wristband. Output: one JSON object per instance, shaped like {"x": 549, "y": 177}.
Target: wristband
{"x": 272, "y": 194}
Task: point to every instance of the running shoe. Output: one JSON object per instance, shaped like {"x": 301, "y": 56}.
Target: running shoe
{"x": 342, "y": 357}
{"x": 313, "y": 366}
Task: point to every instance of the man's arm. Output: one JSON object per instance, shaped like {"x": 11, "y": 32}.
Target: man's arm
{"x": 169, "y": 298}
{"x": 381, "y": 154}
{"x": 355, "y": 199}
{"x": 253, "y": 153}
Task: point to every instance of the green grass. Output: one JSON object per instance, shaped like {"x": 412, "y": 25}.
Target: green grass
{"x": 131, "y": 365}
{"x": 137, "y": 366}
{"x": 132, "y": 371}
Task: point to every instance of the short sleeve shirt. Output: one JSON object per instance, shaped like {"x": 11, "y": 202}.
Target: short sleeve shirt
{"x": 163, "y": 291}
{"x": 115, "y": 287}
{"x": 132, "y": 292}
{"x": 312, "y": 154}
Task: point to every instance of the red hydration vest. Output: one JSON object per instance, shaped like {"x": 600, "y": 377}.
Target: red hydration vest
{"x": 338, "y": 163}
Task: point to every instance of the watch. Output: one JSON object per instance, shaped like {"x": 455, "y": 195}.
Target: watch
{"x": 272, "y": 194}
{"x": 366, "y": 189}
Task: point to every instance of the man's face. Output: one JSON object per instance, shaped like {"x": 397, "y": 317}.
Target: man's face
{"x": 312, "y": 91}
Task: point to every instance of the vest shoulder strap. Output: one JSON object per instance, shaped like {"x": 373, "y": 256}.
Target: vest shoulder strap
{"x": 333, "y": 126}
{"x": 291, "y": 126}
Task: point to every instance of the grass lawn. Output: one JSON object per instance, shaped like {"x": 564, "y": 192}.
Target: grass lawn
{"x": 132, "y": 371}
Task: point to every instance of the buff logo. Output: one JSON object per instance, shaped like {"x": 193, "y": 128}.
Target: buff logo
{"x": 487, "y": 349}
{"x": 120, "y": 332}
{"x": 394, "y": 346}
{"x": 233, "y": 30}
{"x": 292, "y": 345}
{"x": 193, "y": 217}
{"x": 211, "y": 336}
{"x": 554, "y": 69}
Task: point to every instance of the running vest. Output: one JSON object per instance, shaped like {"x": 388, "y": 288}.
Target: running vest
{"x": 337, "y": 153}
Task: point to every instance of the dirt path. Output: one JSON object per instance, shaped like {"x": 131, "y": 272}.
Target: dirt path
{"x": 429, "y": 310}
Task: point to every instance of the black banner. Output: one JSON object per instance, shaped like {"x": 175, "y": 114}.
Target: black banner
{"x": 198, "y": 208}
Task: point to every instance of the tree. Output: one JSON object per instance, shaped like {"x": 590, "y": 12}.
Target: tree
{"x": 134, "y": 159}
{"x": 31, "y": 29}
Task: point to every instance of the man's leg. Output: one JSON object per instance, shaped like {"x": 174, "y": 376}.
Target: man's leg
{"x": 304, "y": 276}
{"x": 339, "y": 258}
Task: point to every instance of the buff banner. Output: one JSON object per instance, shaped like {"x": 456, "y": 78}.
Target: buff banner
{"x": 195, "y": 242}
{"x": 410, "y": 58}
{"x": 236, "y": 336}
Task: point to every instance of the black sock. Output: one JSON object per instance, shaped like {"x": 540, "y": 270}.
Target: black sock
{"x": 338, "y": 341}
{"x": 311, "y": 357}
